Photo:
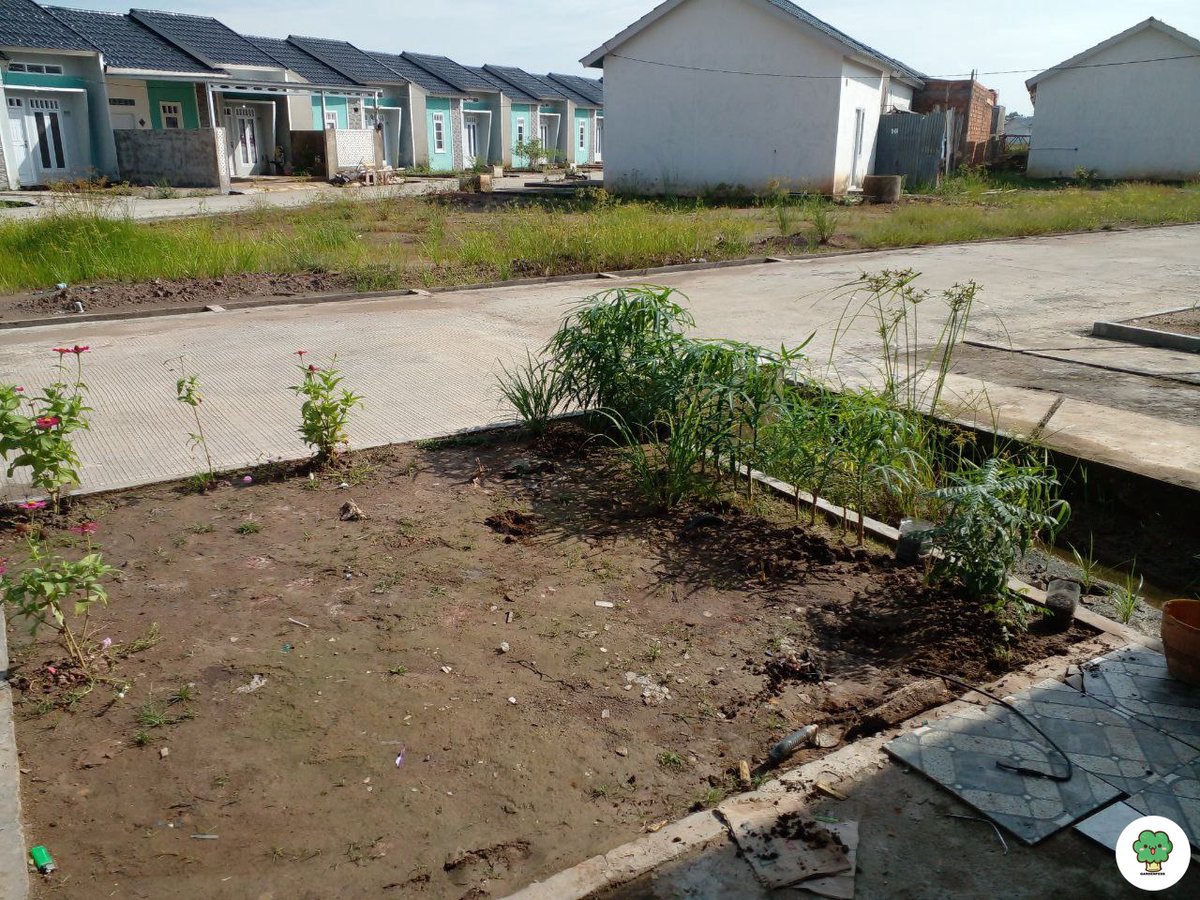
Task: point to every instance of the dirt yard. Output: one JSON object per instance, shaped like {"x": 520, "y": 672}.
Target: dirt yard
{"x": 1185, "y": 321}
{"x": 507, "y": 666}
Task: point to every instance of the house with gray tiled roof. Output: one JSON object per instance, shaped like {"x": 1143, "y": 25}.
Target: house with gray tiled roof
{"x": 53, "y": 100}
{"x": 750, "y": 96}
{"x": 587, "y": 101}
{"x": 554, "y": 110}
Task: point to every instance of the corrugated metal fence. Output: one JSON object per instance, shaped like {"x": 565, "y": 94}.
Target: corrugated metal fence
{"x": 913, "y": 146}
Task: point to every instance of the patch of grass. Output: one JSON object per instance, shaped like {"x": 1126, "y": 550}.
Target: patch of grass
{"x": 152, "y": 714}
{"x": 184, "y": 694}
{"x": 142, "y": 738}
{"x": 398, "y": 670}
{"x": 669, "y": 759}
{"x": 140, "y": 644}
{"x": 1126, "y": 597}
{"x": 248, "y": 527}
{"x": 201, "y": 528}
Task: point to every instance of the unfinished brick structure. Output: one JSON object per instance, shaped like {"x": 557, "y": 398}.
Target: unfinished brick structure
{"x": 973, "y": 106}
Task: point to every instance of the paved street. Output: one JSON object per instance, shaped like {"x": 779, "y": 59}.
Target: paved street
{"x": 425, "y": 364}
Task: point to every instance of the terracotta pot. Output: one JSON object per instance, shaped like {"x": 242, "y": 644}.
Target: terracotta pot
{"x": 1181, "y": 639}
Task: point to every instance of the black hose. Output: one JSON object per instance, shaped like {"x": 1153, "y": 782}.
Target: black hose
{"x": 1001, "y": 764}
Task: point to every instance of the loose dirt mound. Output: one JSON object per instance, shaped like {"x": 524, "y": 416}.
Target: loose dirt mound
{"x": 513, "y": 524}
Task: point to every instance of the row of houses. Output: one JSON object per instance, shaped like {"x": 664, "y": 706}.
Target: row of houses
{"x": 154, "y": 96}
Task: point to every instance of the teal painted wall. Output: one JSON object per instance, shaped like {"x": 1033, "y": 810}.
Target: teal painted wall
{"x": 35, "y": 79}
{"x": 181, "y": 92}
{"x": 521, "y": 111}
{"x": 582, "y": 120}
{"x": 340, "y": 105}
{"x": 440, "y": 161}
{"x": 475, "y": 106}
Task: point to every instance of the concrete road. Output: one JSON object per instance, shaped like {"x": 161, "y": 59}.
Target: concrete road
{"x": 426, "y": 364}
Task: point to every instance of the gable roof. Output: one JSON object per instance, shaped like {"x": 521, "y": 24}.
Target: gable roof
{"x": 303, "y": 64}
{"x": 802, "y": 16}
{"x": 530, "y": 84}
{"x": 126, "y": 44}
{"x": 511, "y": 91}
{"x": 410, "y": 71}
{"x": 343, "y": 56}
{"x": 589, "y": 88}
{"x": 25, "y": 24}
{"x": 1082, "y": 58}
{"x": 204, "y": 38}
{"x": 450, "y": 72}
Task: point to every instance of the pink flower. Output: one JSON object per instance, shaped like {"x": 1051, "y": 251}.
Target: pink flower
{"x": 313, "y": 369}
{"x": 247, "y": 480}
{"x": 85, "y": 528}
{"x": 19, "y": 390}
{"x": 52, "y": 670}
{"x": 32, "y": 504}
{"x": 301, "y": 353}
{"x": 3, "y": 566}
{"x": 77, "y": 349}
{"x": 62, "y": 351}
{"x": 46, "y": 422}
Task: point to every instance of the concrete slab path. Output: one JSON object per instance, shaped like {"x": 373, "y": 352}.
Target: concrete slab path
{"x": 426, "y": 364}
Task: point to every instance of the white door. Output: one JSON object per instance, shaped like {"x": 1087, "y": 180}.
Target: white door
{"x": 242, "y": 124}
{"x": 44, "y": 126}
{"x": 123, "y": 121}
{"x": 470, "y": 143}
{"x": 856, "y": 166}
{"x": 387, "y": 121}
{"x": 599, "y": 139}
{"x": 20, "y": 141}
{"x": 544, "y": 135}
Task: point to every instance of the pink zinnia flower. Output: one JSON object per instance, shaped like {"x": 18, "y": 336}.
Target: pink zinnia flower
{"x": 19, "y": 390}
{"x": 46, "y": 422}
{"x": 85, "y": 528}
{"x": 77, "y": 349}
{"x": 32, "y": 504}
{"x": 62, "y": 350}
{"x": 301, "y": 353}
{"x": 313, "y": 369}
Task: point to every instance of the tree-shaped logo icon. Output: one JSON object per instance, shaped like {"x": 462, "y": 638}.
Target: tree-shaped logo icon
{"x": 1153, "y": 848}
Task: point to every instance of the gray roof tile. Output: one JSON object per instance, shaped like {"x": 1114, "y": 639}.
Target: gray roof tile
{"x": 422, "y": 78}
{"x": 125, "y": 43}
{"x": 303, "y": 64}
{"x": 205, "y": 38}
{"x": 357, "y": 64}
{"x": 512, "y": 92}
{"x": 450, "y": 72}
{"x": 530, "y": 84}
{"x": 590, "y": 91}
{"x": 25, "y": 24}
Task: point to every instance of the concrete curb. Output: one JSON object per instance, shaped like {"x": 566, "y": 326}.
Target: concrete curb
{"x": 1147, "y": 337}
{"x": 14, "y": 873}
{"x": 841, "y": 767}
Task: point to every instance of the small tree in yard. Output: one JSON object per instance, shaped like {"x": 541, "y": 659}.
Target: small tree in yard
{"x": 325, "y": 412}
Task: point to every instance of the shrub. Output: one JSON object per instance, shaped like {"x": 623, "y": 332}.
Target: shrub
{"x": 535, "y": 390}
{"x": 325, "y": 412}
{"x": 823, "y": 221}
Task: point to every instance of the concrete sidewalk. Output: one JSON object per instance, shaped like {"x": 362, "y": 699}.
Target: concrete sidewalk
{"x": 426, "y": 364}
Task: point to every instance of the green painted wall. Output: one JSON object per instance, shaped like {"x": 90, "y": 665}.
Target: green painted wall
{"x": 582, "y": 120}
{"x": 35, "y": 79}
{"x": 476, "y": 106}
{"x": 443, "y": 161}
{"x": 521, "y": 111}
{"x": 181, "y": 92}
{"x": 340, "y": 105}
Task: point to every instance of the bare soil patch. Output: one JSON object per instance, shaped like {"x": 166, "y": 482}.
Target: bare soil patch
{"x": 406, "y": 704}
{"x": 1185, "y": 321}
{"x": 161, "y": 294}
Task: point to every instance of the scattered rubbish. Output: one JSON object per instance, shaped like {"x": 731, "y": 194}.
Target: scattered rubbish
{"x": 512, "y": 700}
{"x": 504, "y": 647}
{"x": 622, "y": 751}
{"x": 78, "y": 306}
{"x": 508, "y": 617}
{"x": 164, "y": 752}
{"x": 605, "y": 714}
{"x": 790, "y": 744}
{"x": 606, "y": 604}
{"x": 520, "y": 468}
{"x": 826, "y": 740}
{"x": 42, "y": 859}
{"x": 351, "y": 512}
{"x": 400, "y": 758}
{"x": 248, "y": 479}
{"x": 744, "y": 774}
{"x": 1003, "y": 843}
{"x": 61, "y": 286}
{"x": 205, "y": 837}
{"x": 829, "y": 790}
{"x": 298, "y": 622}
{"x": 655, "y": 827}
{"x": 784, "y": 846}
{"x": 447, "y": 670}
{"x": 653, "y": 693}
{"x": 344, "y": 486}
{"x": 286, "y": 648}
{"x": 255, "y": 683}
{"x": 916, "y": 540}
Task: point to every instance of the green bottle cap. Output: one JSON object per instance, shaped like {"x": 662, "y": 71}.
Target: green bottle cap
{"x": 42, "y": 859}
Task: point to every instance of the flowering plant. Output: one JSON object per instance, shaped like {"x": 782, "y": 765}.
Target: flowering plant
{"x": 325, "y": 412}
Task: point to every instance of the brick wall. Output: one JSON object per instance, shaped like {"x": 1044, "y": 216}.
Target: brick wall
{"x": 973, "y": 106}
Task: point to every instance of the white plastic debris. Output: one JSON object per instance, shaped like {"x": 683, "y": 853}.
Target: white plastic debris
{"x": 255, "y": 683}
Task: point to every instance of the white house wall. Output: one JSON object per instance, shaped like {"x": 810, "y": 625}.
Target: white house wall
{"x": 900, "y": 96}
{"x": 1123, "y": 121}
{"x": 129, "y": 89}
{"x": 679, "y": 130}
{"x": 862, "y": 88}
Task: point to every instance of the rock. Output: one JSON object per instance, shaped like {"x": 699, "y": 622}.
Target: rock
{"x": 622, "y": 751}
{"x": 504, "y": 647}
{"x": 164, "y": 752}
{"x": 255, "y": 683}
{"x": 351, "y": 512}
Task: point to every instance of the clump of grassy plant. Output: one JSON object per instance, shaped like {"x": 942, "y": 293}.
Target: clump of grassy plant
{"x": 535, "y": 390}
{"x": 823, "y": 222}
{"x": 1126, "y": 597}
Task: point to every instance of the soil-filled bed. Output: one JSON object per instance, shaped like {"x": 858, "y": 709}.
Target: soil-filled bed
{"x": 748, "y": 625}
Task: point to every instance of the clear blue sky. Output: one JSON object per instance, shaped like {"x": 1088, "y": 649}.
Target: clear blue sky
{"x": 937, "y": 37}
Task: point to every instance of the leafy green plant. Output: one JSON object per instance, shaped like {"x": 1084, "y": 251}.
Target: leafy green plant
{"x": 1086, "y": 564}
{"x": 325, "y": 411}
{"x": 823, "y": 222}
{"x": 187, "y": 392}
{"x": 39, "y": 437}
{"x": 994, "y": 513}
{"x": 535, "y": 390}
{"x": 799, "y": 444}
{"x": 50, "y": 587}
{"x": 248, "y": 527}
{"x": 1126, "y": 597}
{"x": 664, "y": 458}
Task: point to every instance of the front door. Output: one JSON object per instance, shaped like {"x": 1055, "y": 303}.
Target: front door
{"x": 20, "y": 141}
{"x": 242, "y": 124}
{"x": 599, "y": 139}
{"x": 470, "y": 143}
{"x": 544, "y": 136}
{"x": 856, "y": 166}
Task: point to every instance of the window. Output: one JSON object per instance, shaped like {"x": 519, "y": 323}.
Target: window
{"x": 439, "y": 133}
{"x": 15, "y": 103}
{"x": 172, "y": 115}
{"x": 331, "y": 119}
{"x": 521, "y": 130}
{"x": 583, "y": 135}
{"x": 35, "y": 68}
{"x": 121, "y": 101}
